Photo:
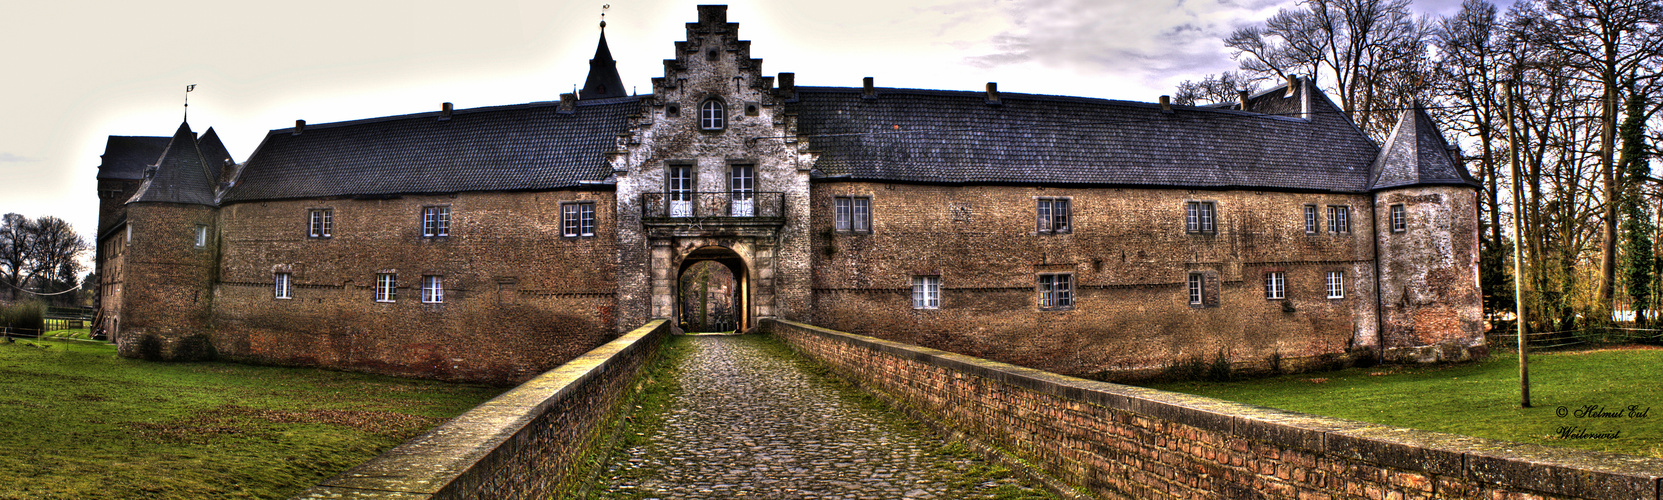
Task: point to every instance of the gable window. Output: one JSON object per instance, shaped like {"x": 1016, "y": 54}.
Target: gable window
{"x": 1195, "y": 283}
{"x": 577, "y": 219}
{"x": 435, "y": 221}
{"x": 1198, "y": 217}
{"x": 1053, "y": 215}
{"x": 282, "y": 290}
{"x": 433, "y": 289}
{"x": 742, "y": 190}
{"x": 852, "y": 214}
{"x": 1336, "y": 285}
{"x": 712, "y": 115}
{"x": 1056, "y": 291}
{"x": 1339, "y": 219}
{"x": 1311, "y": 225}
{"x": 201, "y": 236}
{"x": 321, "y": 223}
{"x": 926, "y": 292}
{"x": 1276, "y": 286}
{"x": 1399, "y": 219}
{"x": 386, "y": 287}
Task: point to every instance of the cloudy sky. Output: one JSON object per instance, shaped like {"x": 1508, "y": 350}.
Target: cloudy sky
{"x": 78, "y": 71}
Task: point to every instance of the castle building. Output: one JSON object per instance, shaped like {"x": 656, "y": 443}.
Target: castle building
{"x": 1076, "y": 235}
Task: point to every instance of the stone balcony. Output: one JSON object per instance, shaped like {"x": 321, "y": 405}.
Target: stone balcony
{"x": 684, "y": 214}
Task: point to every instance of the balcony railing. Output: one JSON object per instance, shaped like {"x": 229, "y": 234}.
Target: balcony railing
{"x": 706, "y": 205}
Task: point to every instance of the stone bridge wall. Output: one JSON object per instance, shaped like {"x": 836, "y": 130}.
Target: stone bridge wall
{"x": 1119, "y": 441}
{"x": 522, "y": 444}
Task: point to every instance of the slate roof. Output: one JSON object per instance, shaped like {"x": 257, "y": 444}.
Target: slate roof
{"x": 520, "y": 147}
{"x": 603, "y": 81}
{"x": 952, "y": 137}
{"x": 214, "y": 154}
{"x": 125, "y": 157}
{"x": 1417, "y": 154}
{"x": 181, "y": 174}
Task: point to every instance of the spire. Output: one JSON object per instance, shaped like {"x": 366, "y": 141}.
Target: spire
{"x": 1416, "y": 154}
{"x": 180, "y": 175}
{"x": 603, "y": 78}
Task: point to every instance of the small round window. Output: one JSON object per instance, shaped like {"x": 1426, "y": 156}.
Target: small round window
{"x": 712, "y": 115}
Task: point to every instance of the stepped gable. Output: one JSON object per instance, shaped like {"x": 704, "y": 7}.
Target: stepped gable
{"x": 521, "y": 147}
{"x": 933, "y": 136}
{"x": 1416, "y": 154}
{"x": 125, "y": 157}
{"x": 181, "y": 175}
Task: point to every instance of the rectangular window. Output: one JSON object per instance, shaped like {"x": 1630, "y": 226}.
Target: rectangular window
{"x": 1056, "y": 291}
{"x": 282, "y": 290}
{"x": 742, "y": 191}
{"x": 1311, "y": 225}
{"x": 577, "y": 219}
{"x": 1053, "y": 215}
{"x": 435, "y": 221}
{"x": 1399, "y": 219}
{"x": 852, "y": 214}
{"x": 926, "y": 292}
{"x": 680, "y": 179}
{"x": 1339, "y": 219}
{"x": 201, "y": 236}
{"x": 433, "y": 289}
{"x": 1198, "y": 217}
{"x": 321, "y": 223}
{"x": 1195, "y": 288}
{"x": 1276, "y": 286}
{"x": 386, "y": 287}
{"x": 1336, "y": 285}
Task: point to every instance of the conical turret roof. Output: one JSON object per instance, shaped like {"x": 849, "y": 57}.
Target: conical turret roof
{"x": 1416, "y": 153}
{"x": 180, "y": 176}
{"x": 603, "y": 79}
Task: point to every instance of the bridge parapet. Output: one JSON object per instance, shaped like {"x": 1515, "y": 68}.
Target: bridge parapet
{"x": 1119, "y": 441}
{"x": 525, "y": 443}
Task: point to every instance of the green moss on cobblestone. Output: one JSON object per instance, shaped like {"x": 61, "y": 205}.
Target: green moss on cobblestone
{"x": 643, "y": 414}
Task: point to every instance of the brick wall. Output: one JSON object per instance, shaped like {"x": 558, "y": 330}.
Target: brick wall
{"x": 519, "y": 298}
{"x": 1130, "y": 255}
{"x": 176, "y": 276}
{"x": 528, "y": 443}
{"x": 1118, "y": 441}
{"x": 1431, "y": 308}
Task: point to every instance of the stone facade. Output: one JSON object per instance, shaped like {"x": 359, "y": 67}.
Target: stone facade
{"x": 1185, "y": 234}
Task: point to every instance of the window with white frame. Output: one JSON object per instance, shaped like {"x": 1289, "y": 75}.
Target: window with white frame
{"x": 282, "y": 289}
{"x": 433, "y": 289}
{"x": 577, "y": 219}
{"x": 201, "y": 236}
{"x": 386, "y": 287}
{"x": 679, "y": 178}
{"x": 1336, "y": 285}
{"x": 852, "y": 214}
{"x": 712, "y": 115}
{"x": 320, "y": 223}
{"x": 1197, "y": 287}
{"x": 926, "y": 292}
{"x": 435, "y": 221}
{"x": 1056, "y": 291}
{"x": 1400, "y": 218}
{"x": 1311, "y": 224}
{"x": 1339, "y": 219}
{"x": 1054, "y": 215}
{"x": 742, "y": 191}
{"x": 1276, "y": 286}
{"x": 1198, "y": 217}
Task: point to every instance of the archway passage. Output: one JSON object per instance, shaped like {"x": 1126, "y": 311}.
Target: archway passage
{"x": 713, "y": 292}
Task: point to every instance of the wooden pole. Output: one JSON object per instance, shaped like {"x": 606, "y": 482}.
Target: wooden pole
{"x": 1518, "y": 268}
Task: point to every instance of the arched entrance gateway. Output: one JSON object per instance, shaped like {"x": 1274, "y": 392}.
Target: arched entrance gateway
{"x": 713, "y": 291}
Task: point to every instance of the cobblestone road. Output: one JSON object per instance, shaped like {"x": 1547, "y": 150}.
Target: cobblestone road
{"x": 750, "y": 421}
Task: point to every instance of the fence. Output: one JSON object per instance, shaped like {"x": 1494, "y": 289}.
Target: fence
{"x": 67, "y": 318}
{"x": 719, "y": 204}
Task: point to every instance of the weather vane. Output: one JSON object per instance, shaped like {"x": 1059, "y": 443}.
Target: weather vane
{"x": 604, "y": 8}
{"x": 188, "y": 89}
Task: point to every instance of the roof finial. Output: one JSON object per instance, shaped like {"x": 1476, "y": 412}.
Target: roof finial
{"x": 604, "y": 8}
{"x": 188, "y": 89}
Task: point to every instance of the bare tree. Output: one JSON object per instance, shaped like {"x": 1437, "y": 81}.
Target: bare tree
{"x": 39, "y": 256}
{"x": 1212, "y": 89}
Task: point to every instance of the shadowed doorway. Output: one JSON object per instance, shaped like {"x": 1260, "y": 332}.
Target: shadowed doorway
{"x": 712, "y": 292}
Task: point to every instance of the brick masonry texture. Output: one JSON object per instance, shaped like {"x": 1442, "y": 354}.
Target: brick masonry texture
{"x": 1127, "y": 442}
{"x": 527, "y": 443}
{"x": 171, "y": 322}
{"x": 504, "y": 317}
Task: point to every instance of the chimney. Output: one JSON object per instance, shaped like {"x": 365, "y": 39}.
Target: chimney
{"x": 867, "y": 92}
{"x": 1243, "y": 96}
{"x": 993, "y": 93}
{"x": 788, "y": 83}
{"x": 1166, "y": 104}
{"x": 444, "y": 111}
{"x": 713, "y": 14}
{"x": 568, "y": 103}
{"x": 1293, "y": 85}
{"x": 299, "y": 126}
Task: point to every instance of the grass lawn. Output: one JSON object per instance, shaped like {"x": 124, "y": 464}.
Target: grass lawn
{"x": 1482, "y": 399}
{"x": 76, "y": 421}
